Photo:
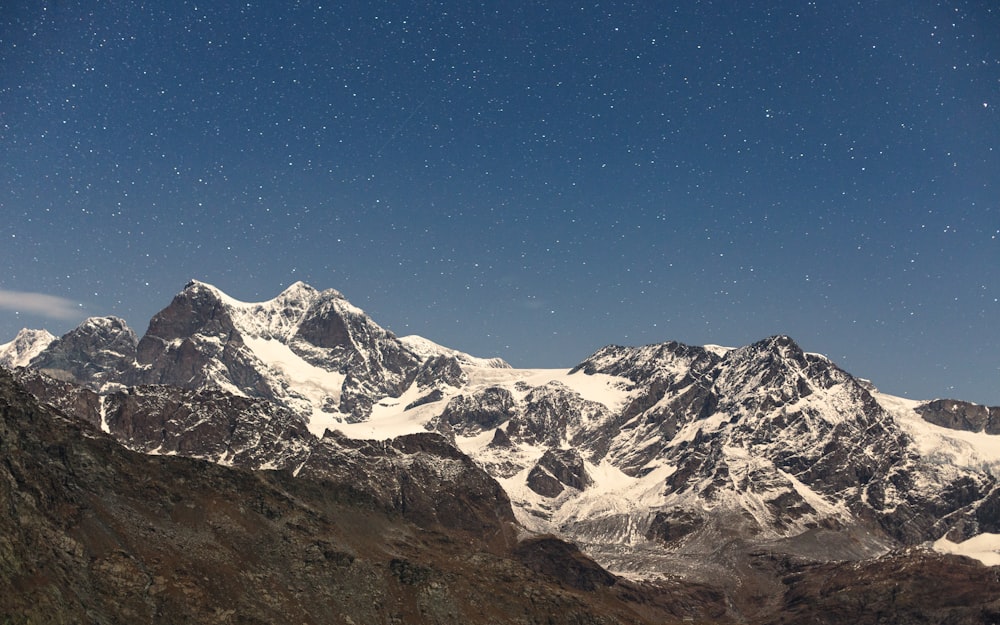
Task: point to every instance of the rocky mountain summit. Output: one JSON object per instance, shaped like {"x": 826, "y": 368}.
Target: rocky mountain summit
{"x": 335, "y": 358}
{"x": 100, "y": 350}
{"x": 306, "y": 350}
{"x": 734, "y": 472}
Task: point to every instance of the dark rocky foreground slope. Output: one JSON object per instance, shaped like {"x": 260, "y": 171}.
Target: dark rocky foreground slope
{"x": 92, "y": 532}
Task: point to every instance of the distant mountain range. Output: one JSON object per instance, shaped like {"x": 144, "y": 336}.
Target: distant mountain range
{"x": 745, "y": 476}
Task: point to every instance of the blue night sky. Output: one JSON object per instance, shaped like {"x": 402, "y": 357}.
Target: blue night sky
{"x": 527, "y": 180}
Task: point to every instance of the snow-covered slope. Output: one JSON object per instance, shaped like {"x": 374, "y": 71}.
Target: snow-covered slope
{"x": 952, "y": 451}
{"x": 983, "y": 547}
{"x": 976, "y": 451}
{"x": 25, "y": 346}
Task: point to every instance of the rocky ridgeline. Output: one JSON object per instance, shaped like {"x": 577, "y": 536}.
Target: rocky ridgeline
{"x": 706, "y": 459}
{"x": 781, "y": 440}
{"x": 200, "y": 341}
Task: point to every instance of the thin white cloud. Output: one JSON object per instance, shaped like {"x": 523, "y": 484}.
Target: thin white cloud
{"x": 49, "y": 306}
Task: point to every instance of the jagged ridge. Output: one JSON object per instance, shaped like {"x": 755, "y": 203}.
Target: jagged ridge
{"x": 658, "y": 459}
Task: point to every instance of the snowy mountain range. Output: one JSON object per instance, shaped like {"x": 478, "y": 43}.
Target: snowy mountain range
{"x": 664, "y": 461}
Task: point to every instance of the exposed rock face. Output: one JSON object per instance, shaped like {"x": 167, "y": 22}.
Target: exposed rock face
{"x": 961, "y": 415}
{"x": 99, "y": 350}
{"x": 438, "y": 370}
{"x": 193, "y": 343}
{"x": 556, "y": 469}
{"x": 773, "y": 429}
{"x": 210, "y": 425}
{"x": 471, "y": 414}
{"x": 672, "y": 385}
{"x": 422, "y": 477}
{"x": 72, "y": 399}
{"x": 553, "y": 413}
{"x": 500, "y": 440}
{"x": 544, "y": 483}
{"x": 672, "y": 525}
{"x": 373, "y": 360}
{"x": 435, "y": 395}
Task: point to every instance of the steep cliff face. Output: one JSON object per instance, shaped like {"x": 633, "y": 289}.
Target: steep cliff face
{"x": 961, "y": 415}
{"x": 194, "y": 343}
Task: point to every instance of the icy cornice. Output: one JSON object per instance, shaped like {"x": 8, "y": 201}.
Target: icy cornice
{"x": 426, "y": 348}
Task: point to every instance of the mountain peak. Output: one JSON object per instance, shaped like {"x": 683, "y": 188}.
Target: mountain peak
{"x": 96, "y": 351}
{"x": 779, "y": 342}
{"x": 26, "y": 345}
{"x": 298, "y": 290}
{"x": 29, "y": 334}
{"x": 197, "y": 285}
{"x": 766, "y": 353}
{"x": 195, "y": 288}
{"x": 296, "y": 294}
{"x": 109, "y": 322}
